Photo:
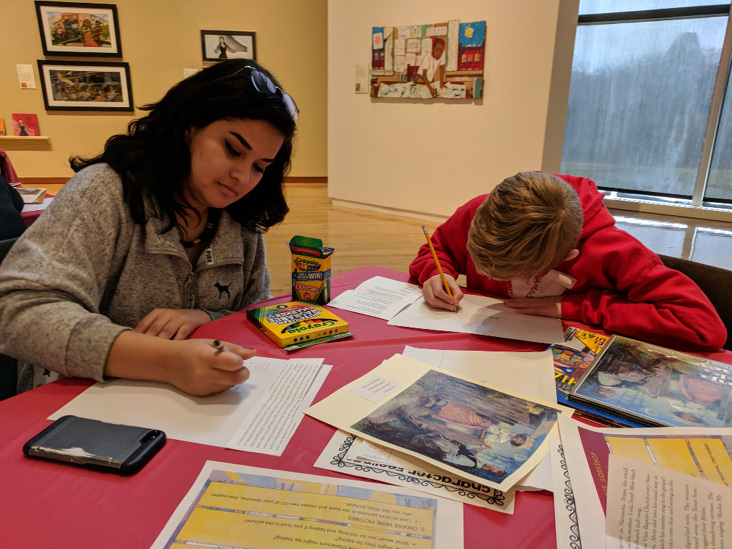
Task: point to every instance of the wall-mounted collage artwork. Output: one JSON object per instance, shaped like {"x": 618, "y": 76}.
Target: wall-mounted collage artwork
{"x": 439, "y": 60}
{"x": 72, "y": 28}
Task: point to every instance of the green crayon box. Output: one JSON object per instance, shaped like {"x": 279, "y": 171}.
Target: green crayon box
{"x": 310, "y": 270}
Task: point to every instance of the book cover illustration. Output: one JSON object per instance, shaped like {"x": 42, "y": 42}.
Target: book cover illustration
{"x": 296, "y": 324}
{"x": 25, "y": 125}
{"x": 571, "y": 360}
{"x": 656, "y": 386}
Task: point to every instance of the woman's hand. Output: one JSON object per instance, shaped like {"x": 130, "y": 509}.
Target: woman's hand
{"x": 172, "y": 323}
{"x": 435, "y": 295}
{"x": 200, "y": 370}
{"x": 193, "y": 365}
{"x": 543, "y": 306}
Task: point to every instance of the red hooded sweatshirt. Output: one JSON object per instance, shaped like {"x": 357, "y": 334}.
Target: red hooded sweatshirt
{"x": 615, "y": 282}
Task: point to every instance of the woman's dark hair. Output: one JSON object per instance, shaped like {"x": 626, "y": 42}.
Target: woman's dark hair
{"x": 153, "y": 158}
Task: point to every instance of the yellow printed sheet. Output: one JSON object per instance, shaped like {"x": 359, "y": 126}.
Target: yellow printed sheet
{"x": 232, "y": 505}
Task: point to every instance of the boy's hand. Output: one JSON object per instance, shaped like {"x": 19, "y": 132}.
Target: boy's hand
{"x": 543, "y": 306}
{"x": 435, "y": 295}
{"x": 172, "y": 323}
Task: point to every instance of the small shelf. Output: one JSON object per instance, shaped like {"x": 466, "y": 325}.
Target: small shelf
{"x": 18, "y": 138}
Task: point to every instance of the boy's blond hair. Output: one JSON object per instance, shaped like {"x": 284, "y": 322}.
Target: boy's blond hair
{"x": 528, "y": 224}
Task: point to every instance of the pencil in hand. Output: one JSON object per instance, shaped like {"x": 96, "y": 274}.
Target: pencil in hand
{"x": 437, "y": 262}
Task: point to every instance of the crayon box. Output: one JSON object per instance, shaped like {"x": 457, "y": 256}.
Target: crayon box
{"x": 310, "y": 270}
{"x": 298, "y": 324}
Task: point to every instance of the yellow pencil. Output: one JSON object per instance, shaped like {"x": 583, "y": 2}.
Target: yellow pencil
{"x": 437, "y": 261}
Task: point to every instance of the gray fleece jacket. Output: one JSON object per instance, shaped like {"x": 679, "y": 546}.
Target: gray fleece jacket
{"x": 85, "y": 272}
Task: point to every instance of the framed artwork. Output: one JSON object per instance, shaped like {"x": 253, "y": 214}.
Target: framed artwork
{"x": 218, "y": 45}
{"x": 433, "y": 61}
{"x": 81, "y": 86}
{"x": 72, "y": 28}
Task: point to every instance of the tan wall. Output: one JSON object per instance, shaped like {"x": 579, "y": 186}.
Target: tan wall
{"x": 430, "y": 156}
{"x": 159, "y": 39}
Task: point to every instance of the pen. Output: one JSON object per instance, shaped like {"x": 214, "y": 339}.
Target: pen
{"x": 218, "y": 346}
{"x": 437, "y": 261}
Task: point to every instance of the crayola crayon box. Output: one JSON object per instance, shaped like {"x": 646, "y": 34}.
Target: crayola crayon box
{"x": 296, "y": 324}
{"x": 310, "y": 270}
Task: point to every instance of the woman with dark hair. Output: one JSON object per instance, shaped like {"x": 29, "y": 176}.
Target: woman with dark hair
{"x": 11, "y": 204}
{"x": 157, "y": 235}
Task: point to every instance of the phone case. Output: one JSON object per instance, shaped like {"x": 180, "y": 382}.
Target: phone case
{"x": 121, "y": 449}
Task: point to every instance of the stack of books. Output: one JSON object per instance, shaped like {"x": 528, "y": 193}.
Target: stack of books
{"x": 618, "y": 381}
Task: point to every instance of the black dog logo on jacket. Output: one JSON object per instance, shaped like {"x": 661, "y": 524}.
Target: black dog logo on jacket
{"x": 223, "y": 289}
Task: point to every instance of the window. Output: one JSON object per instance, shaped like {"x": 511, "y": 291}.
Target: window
{"x": 642, "y": 96}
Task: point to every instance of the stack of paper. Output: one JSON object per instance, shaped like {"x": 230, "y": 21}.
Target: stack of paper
{"x": 413, "y": 424}
{"x": 650, "y": 487}
{"x": 31, "y": 196}
{"x": 260, "y": 415}
{"x": 402, "y": 305}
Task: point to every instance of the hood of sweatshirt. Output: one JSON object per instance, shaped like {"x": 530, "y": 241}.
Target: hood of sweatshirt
{"x": 596, "y": 214}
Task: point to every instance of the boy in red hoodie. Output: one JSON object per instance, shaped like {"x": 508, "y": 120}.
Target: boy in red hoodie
{"x": 549, "y": 246}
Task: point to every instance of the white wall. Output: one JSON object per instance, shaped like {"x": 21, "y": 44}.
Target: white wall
{"x": 428, "y": 157}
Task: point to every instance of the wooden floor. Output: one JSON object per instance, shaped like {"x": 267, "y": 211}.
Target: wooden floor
{"x": 362, "y": 238}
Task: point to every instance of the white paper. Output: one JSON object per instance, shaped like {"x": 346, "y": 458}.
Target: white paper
{"x": 530, "y": 374}
{"x": 287, "y": 498}
{"x": 453, "y": 44}
{"x": 650, "y": 506}
{"x": 270, "y": 426}
{"x": 209, "y": 420}
{"x": 589, "y": 450}
{"x": 378, "y": 297}
{"x": 377, "y": 389}
{"x": 483, "y": 316}
{"x": 341, "y": 455}
{"x": 26, "y": 77}
{"x": 38, "y": 207}
{"x": 565, "y": 505}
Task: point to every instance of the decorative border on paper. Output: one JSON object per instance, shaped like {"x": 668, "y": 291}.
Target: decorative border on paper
{"x": 494, "y": 497}
{"x": 570, "y": 504}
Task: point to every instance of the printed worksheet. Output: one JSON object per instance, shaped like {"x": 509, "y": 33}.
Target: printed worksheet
{"x": 585, "y": 475}
{"x": 238, "y": 506}
{"x": 378, "y": 296}
{"x": 483, "y": 316}
{"x": 260, "y": 415}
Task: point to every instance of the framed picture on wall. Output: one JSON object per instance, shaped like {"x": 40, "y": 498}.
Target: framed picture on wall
{"x": 218, "y": 45}
{"x": 72, "y": 28}
{"x": 80, "y": 86}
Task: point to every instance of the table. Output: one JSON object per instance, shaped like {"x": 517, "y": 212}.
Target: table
{"x": 31, "y": 211}
{"x": 54, "y": 505}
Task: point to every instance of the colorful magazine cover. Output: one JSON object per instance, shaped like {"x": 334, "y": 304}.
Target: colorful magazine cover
{"x": 657, "y": 386}
{"x": 571, "y": 360}
{"x": 25, "y": 125}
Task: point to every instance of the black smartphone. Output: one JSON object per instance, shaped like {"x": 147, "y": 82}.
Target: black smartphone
{"x": 121, "y": 449}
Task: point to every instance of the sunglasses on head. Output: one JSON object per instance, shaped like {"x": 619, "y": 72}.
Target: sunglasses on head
{"x": 263, "y": 83}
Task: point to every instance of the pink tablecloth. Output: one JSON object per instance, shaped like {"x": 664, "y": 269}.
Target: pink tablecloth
{"x": 52, "y": 505}
{"x": 31, "y": 211}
